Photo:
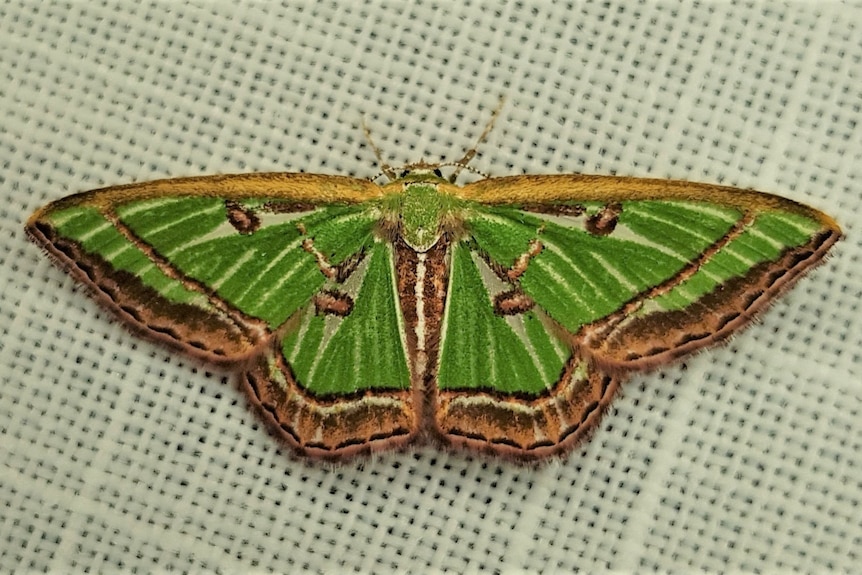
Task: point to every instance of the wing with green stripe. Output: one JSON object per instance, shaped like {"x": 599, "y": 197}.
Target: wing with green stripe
{"x": 637, "y": 279}
{"x": 336, "y": 354}
{"x": 483, "y": 349}
{"x": 214, "y": 275}
{"x": 266, "y": 274}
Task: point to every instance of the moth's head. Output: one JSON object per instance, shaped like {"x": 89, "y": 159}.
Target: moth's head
{"x": 447, "y": 172}
{"x": 420, "y": 171}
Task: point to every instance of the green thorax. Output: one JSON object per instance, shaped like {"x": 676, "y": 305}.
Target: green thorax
{"x": 421, "y": 209}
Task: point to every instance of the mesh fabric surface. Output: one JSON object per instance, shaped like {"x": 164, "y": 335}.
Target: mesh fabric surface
{"x": 121, "y": 456}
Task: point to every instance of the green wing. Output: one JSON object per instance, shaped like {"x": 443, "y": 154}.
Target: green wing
{"x": 570, "y": 282}
{"x": 510, "y": 333}
{"x": 238, "y": 269}
{"x": 365, "y": 347}
{"x": 483, "y": 349}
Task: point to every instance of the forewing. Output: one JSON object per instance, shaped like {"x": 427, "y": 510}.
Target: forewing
{"x": 644, "y": 271}
{"x": 211, "y": 265}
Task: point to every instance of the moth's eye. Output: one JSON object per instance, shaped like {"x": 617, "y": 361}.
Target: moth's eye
{"x": 405, "y": 173}
{"x": 438, "y": 173}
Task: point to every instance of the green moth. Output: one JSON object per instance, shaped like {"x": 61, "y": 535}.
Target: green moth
{"x": 501, "y": 315}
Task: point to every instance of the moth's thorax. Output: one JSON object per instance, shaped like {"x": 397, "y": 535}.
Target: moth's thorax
{"x": 422, "y": 210}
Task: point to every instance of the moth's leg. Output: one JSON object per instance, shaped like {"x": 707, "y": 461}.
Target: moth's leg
{"x": 333, "y": 303}
{"x": 518, "y": 268}
{"x": 515, "y": 301}
{"x": 332, "y": 300}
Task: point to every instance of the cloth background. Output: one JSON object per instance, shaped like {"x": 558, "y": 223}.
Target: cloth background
{"x": 117, "y": 455}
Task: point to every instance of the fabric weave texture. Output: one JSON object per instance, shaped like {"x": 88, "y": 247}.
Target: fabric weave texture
{"x": 119, "y": 455}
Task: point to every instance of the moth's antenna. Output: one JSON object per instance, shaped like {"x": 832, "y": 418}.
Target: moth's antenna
{"x": 471, "y": 153}
{"x": 384, "y": 167}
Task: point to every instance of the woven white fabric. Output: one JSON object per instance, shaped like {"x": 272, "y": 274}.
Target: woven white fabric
{"x": 121, "y": 456}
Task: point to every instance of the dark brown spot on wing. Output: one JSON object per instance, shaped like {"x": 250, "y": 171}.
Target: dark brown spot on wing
{"x": 512, "y": 302}
{"x": 333, "y": 303}
{"x": 604, "y": 222}
{"x": 242, "y": 218}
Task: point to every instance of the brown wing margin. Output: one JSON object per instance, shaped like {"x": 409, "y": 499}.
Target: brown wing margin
{"x": 618, "y": 343}
{"x": 221, "y": 335}
{"x": 190, "y": 329}
{"x": 333, "y": 428}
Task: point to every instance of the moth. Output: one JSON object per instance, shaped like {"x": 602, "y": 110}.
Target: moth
{"x": 501, "y": 316}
